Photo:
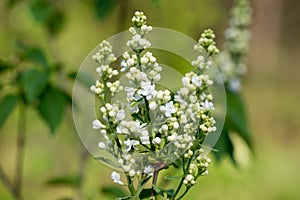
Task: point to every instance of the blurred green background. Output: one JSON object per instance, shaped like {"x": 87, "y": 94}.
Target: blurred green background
{"x": 271, "y": 91}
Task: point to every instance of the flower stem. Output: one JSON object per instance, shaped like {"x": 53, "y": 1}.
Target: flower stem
{"x": 154, "y": 182}
{"x": 20, "y": 151}
{"x": 7, "y": 183}
{"x": 183, "y": 194}
{"x": 185, "y": 169}
{"x": 130, "y": 186}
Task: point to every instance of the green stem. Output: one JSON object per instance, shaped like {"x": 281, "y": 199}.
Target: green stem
{"x": 183, "y": 194}
{"x": 185, "y": 169}
{"x": 7, "y": 183}
{"x": 130, "y": 186}
{"x": 20, "y": 151}
{"x": 154, "y": 182}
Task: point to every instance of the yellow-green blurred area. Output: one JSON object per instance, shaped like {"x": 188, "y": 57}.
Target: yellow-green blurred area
{"x": 271, "y": 91}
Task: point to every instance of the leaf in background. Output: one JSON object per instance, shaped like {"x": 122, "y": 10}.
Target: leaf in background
{"x": 83, "y": 78}
{"x": 52, "y": 107}
{"x": 12, "y": 3}
{"x": 48, "y": 14}
{"x": 224, "y": 145}
{"x": 55, "y": 21}
{"x": 104, "y": 7}
{"x": 34, "y": 82}
{"x": 157, "y": 190}
{"x": 145, "y": 193}
{"x": 70, "y": 181}
{"x": 237, "y": 116}
{"x": 114, "y": 191}
{"x": 107, "y": 161}
{"x": 7, "y": 105}
{"x": 4, "y": 66}
{"x": 36, "y": 55}
{"x": 172, "y": 177}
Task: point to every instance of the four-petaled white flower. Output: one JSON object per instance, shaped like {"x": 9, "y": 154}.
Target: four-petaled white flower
{"x": 168, "y": 109}
{"x": 149, "y": 170}
{"x": 97, "y": 124}
{"x": 147, "y": 90}
{"x": 207, "y": 105}
{"x": 115, "y": 176}
{"x": 120, "y": 115}
{"x": 130, "y": 144}
{"x": 196, "y": 81}
{"x": 101, "y": 145}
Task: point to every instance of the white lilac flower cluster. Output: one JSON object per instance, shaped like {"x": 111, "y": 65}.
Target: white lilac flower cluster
{"x": 104, "y": 57}
{"x": 154, "y": 126}
{"x": 237, "y": 36}
{"x": 196, "y": 169}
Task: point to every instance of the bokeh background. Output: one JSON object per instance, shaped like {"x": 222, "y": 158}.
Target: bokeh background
{"x": 271, "y": 91}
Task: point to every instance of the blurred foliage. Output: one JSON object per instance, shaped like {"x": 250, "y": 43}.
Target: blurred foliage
{"x": 28, "y": 80}
{"x": 235, "y": 121}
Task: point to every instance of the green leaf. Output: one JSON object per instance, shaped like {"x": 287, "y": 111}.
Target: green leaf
{"x": 12, "y": 3}
{"x": 71, "y": 181}
{"x": 55, "y": 21}
{"x": 48, "y": 14}
{"x": 224, "y": 145}
{"x": 104, "y": 7}
{"x": 36, "y": 55}
{"x": 34, "y": 82}
{"x": 4, "y": 66}
{"x": 145, "y": 193}
{"x": 107, "y": 161}
{"x": 83, "y": 78}
{"x": 169, "y": 193}
{"x": 172, "y": 177}
{"x": 114, "y": 191}
{"x": 7, "y": 105}
{"x": 237, "y": 116}
{"x": 158, "y": 190}
{"x": 52, "y": 107}
{"x": 125, "y": 198}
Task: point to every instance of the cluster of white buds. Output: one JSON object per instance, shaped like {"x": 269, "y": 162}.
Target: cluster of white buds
{"x": 237, "y": 36}
{"x": 154, "y": 124}
{"x": 104, "y": 57}
{"x": 202, "y": 164}
{"x": 189, "y": 180}
{"x": 207, "y": 43}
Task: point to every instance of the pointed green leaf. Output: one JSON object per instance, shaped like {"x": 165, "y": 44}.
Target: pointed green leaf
{"x": 71, "y": 181}
{"x": 4, "y": 66}
{"x": 52, "y": 107}
{"x": 83, "y": 78}
{"x": 107, "y": 161}
{"x": 34, "y": 82}
{"x": 7, "y": 105}
{"x": 224, "y": 146}
{"x": 36, "y": 55}
{"x": 172, "y": 177}
{"x": 146, "y": 193}
{"x": 48, "y": 14}
{"x": 114, "y": 191}
{"x": 104, "y": 7}
{"x": 237, "y": 116}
